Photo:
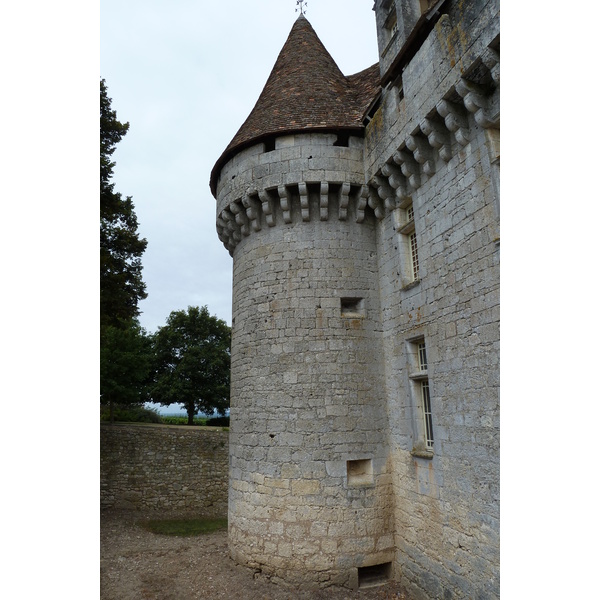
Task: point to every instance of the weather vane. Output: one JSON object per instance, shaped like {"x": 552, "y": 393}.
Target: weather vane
{"x": 302, "y": 6}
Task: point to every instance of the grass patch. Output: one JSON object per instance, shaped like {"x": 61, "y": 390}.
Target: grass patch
{"x": 184, "y": 527}
{"x": 173, "y": 420}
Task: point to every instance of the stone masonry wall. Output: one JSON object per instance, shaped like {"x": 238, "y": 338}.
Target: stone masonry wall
{"x": 435, "y": 143}
{"x": 164, "y": 469}
{"x": 310, "y": 490}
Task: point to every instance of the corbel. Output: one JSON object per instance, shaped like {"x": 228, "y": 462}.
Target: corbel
{"x": 422, "y": 153}
{"x": 385, "y": 191}
{"x": 375, "y": 203}
{"x": 304, "y": 204}
{"x": 225, "y": 233}
{"x": 230, "y": 224}
{"x": 252, "y": 211}
{"x": 455, "y": 120}
{"x": 222, "y": 231}
{"x": 343, "y": 201}
{"x": 476, "y": 101}
{"x": 324, "y": 201}
{"x": 438, "y": 137}
{"x": 240, "y": 217}
{"x": 491, "y": 59}
{"x": 285, "y": 201}
{"x": 396, "y": 180}
{"x": 267, "y": 208}
{"x": 409, "y": 167}
{"x": 362, "y": 203}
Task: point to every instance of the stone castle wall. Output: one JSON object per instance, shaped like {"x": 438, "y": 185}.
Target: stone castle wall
{"x": 434, "y": 142}
{"x": 310, "y": 490}
{"x": 164, "y": 469}
{"x": 332, "y": 472}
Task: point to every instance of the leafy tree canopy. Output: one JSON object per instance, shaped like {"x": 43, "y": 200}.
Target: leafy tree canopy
{"x": 121, "y": 284}
{"x": 125, "y": 365}
{"x": 192, "y": 361}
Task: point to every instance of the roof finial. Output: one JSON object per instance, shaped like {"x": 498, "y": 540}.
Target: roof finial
{"x": 302, "y": 6}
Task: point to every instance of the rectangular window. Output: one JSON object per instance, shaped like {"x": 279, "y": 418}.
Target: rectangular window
{"x": 391, "y": 24}
{"x": 414, "y": 256}
{"x": 427, "y": 420}
{"x": 422, "y": 356}
{"x": 410, "y": 266}
{"x": 418, "y": 374}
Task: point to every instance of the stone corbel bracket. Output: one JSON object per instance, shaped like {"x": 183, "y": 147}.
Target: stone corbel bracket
{"x": 250, "y": 203}
{"x": 278, "y": 205}
{"x": 385, "y": 191}
{"x": 491, "y": 59}
{"x": 438, "y": 137}
{"x": 477, "y": 101}
{"x": 267, "y": 207}
{"x": 363, "y": 199}
{"x": 409, "y": 166}
{"x": 324, "y": 202}
{"x": 240, "y": 216}
{"x": 398, "y": 182}
{"x": 344, "y": 199}
{"x": 455, "y": 120}
{"x": 285, "y": 200}
{"x": 375, "y": 202}
{"x": 422, "y": 152}
{"x": 304, "y": 204}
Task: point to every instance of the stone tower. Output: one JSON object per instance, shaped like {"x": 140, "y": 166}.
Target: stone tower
{"x": 309, "y": 488}
{"x": 362, "y": 215}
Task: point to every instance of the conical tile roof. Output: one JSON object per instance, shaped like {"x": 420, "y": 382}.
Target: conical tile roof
{"x": 305, "y": 91}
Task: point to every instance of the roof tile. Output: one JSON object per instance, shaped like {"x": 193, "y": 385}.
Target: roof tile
{"x": 305, "y": 91}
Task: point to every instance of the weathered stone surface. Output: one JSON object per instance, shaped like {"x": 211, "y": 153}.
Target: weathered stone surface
{"x": 330, "y": 467}
{"x": 168, "y": 470}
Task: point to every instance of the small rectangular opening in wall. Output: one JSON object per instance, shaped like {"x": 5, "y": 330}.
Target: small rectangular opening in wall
{"x": 352, "y": 307}
{"x": 374, "y": 575}
{"x": 359, "y": 472}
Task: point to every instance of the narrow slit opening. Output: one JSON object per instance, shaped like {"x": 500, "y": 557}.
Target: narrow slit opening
{"x": 374, "y": 575}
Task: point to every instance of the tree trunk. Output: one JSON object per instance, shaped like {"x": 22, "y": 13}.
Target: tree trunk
{"x": 190, "y": 412}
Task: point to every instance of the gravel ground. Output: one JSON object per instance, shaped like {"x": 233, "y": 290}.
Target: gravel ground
{"x": 136, "y": 564}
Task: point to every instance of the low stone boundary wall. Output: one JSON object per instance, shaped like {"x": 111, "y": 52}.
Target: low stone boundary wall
{"x": 164, "y": 469}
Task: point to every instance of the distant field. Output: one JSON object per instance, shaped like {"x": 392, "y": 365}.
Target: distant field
{"x": 179, "y": 420}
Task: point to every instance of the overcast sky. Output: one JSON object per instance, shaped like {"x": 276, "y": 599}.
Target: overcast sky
{"x": 185, "y": 74}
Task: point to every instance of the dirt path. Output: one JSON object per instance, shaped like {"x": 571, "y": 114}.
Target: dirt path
{"x": 138, "y": 565}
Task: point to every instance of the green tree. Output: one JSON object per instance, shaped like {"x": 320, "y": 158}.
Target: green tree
{"x": 192, "y": 361}
{"x": 125, "y": 365}
{"x": 121, "y": 284}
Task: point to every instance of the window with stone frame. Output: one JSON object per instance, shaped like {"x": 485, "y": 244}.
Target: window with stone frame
{"x": 410, "y": 266}
{"x": 418, "y": 374}
{"x": 391, "y": 24}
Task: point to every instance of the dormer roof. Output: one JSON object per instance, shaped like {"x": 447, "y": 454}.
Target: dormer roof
{"x": 306, "y": 91}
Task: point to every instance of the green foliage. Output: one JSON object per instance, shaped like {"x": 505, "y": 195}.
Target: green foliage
{"x": 121, "y": 285}
{"x": 192, "y": 361}
{"x": 131, "y": 414}
{"x": 182, "y": 420}
{"x": 184, "y": 527}
{"x": 125, "y": 364}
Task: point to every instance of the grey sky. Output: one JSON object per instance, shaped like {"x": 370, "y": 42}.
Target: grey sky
{"x": 186, "y": 74}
